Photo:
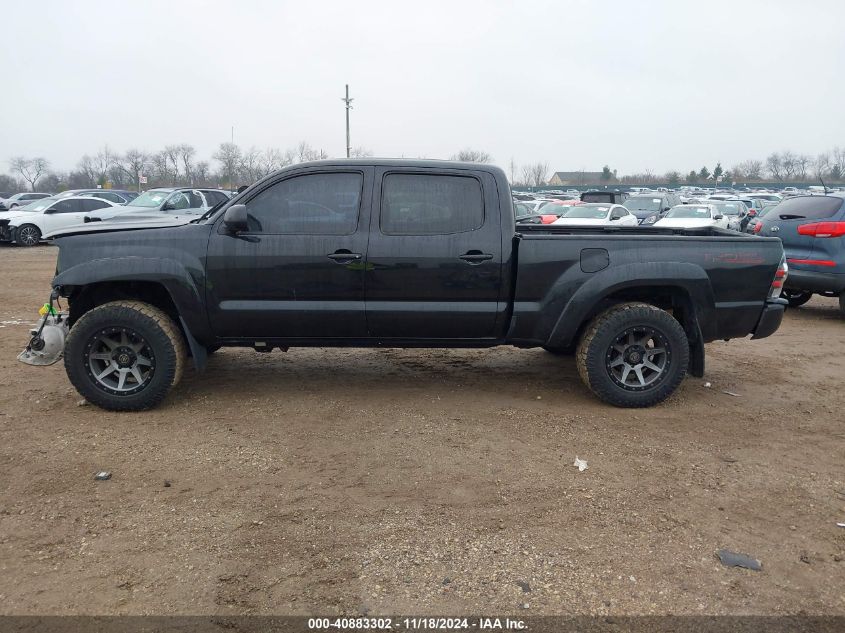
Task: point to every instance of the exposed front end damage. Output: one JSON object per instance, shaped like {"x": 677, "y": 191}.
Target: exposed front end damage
{"x": 47, "y": 342}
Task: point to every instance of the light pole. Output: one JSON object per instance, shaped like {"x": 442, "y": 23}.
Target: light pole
{"x": 348, "y": 103}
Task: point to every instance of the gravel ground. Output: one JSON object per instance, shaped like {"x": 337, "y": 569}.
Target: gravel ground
{"x": 424, "y": 481}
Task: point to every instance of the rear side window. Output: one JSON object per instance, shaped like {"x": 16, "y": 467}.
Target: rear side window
{"x": 93, "y": 204}
{"x": 214, "y": 197}
{"x": 316, "y": 204}
{"x": 810, "y": 207}
{"x": 424, "y": 204}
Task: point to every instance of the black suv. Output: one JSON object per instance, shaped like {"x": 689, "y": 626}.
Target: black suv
{"x": 650, "y": 207}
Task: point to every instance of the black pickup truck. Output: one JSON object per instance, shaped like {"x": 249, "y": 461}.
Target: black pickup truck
{"x": 397, "y": 253}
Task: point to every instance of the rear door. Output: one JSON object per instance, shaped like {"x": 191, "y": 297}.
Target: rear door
{"x": 298, "y": 272}
{"x": 434, "y": 265}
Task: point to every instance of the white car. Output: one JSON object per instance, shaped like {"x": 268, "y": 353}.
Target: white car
{"x": 597, "y": 214}
{"x": 25, "y": 226}
{"x": 692, "y": 216}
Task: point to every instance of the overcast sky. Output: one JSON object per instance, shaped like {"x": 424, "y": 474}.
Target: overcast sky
{"x": 634, "y": 84}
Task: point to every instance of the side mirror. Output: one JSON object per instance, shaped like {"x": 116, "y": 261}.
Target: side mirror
{"x": 235, "y": 219}
{"x": 718, "y": 217}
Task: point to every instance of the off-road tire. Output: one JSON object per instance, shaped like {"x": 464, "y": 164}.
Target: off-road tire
{"x": 594, "y": 349}
{"x": 796, "y": 298}
{"x": 159, "y": 331}
{"x": 32, "y": 232}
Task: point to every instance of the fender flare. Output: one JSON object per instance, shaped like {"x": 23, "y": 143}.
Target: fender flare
{"x": 690, "y": 278}
{"x": 170, "y": 274}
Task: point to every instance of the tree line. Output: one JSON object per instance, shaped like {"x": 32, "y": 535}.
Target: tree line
{"x": 232, "y": 166}
{"x": 175, "y": 165}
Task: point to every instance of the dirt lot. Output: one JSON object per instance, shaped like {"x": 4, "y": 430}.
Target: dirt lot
{"x": 415, "y": 481}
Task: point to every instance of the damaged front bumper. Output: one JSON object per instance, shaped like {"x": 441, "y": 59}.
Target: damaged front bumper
{"x": 47, "y": 341}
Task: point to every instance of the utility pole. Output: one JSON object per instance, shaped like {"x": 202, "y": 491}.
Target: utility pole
{"x": 348, "y": 103}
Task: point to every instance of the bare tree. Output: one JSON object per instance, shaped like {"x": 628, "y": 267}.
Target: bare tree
{"x": 201, "y": 173}
{"x": 273, "y": 159}
{"x": 821, "y": 166}
{"x": 535, "y": 174}
{"x": 361, "y": 152}
{"x": 186, "y": 156}
{"x": 160, "y": 163}
{"x": 802, "y": 165}
{"x": 229, "y": 157}
{"x": 133, "y": 164}
{"x": 304, "y": 152}
{"x": 472, "y": 156}
{"x": 173, "y": 154}
{"x": 774, "y": 166}
{"x": 31, "y": 169}
{"x": 749, "y": 169}
{"x": 251, "y": 165}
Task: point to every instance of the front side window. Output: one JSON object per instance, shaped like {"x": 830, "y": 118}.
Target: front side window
{"x": 66, "y": 206}
{"x": 422, "y": 204}
{"x": 321, "y": 204}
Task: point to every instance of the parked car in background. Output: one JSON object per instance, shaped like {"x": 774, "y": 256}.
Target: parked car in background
{"x": 182, "y": 199}
{"x": 607, "y": 197}
{"x": 25, "y": 226}
{"x": 21, "y": 200}
{"x": 812, "y": 229}
{"x": 652, "y": 205}
{"x": 118, "y": 196}
{"x": 689, "y": 216}
{"x": 735, "y": 212}
{"x": 754, "y": 205}
{"x": 5, "y": 194}
{"x": 757, "y": 220}
{"x": 771, "y": 197}
{"x": 597, "y": 214}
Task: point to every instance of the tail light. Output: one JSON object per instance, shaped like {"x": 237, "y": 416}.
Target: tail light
{"x": 758, "y": 227}
{"x": 780, "y": 277}
{"x": 548, "y": 218}
{"x": 823, "y": 229}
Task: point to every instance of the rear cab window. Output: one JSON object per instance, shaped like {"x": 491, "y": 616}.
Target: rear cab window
{"x": 430, "y": 204}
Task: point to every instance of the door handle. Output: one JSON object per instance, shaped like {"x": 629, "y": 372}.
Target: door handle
{"x": 343, "y": 256}
{"x": 475, "y": 257}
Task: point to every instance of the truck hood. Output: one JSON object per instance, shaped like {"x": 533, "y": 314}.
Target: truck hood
{"x": 685, "y": 223}
{"x": 125, "y": 222}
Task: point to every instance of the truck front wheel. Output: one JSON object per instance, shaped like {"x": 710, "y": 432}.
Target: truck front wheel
{"x": 125, "y": 355}
{"x": 633, "y": 355}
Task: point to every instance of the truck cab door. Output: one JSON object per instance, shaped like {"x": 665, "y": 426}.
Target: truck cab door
{"x": 298, "y": 271}
{"x": 434, "y": 264}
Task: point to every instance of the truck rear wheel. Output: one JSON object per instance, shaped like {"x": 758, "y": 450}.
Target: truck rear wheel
{"x": 125, "y": 355}
{"x": 633, "y": 355}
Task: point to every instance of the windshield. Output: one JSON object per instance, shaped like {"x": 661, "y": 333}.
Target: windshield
{"x": 150, "y": 199}
{"x": 731, "y": 208}
{"x": 688, "y": 211}
{"x": 38, "y": 205}
{"x": 643, "y": 203}
{"x": 592, "y": 213}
